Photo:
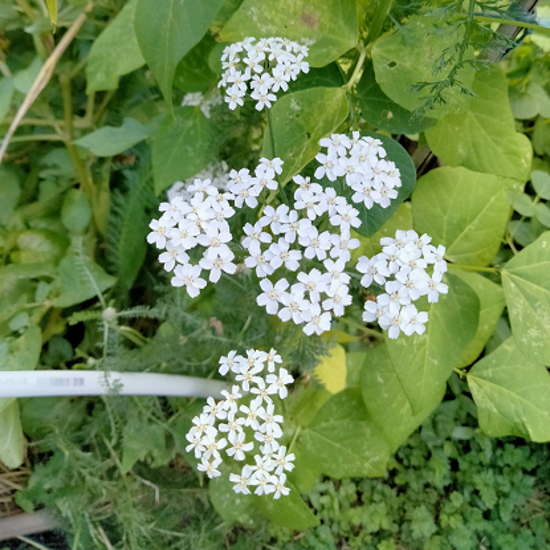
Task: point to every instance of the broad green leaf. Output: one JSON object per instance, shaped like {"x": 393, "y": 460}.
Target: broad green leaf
{"x": 23, "y": 80}
{"x": 424, "y": 363}
{"x": 115, "y": 52}
{"x": 329, "y": 76}
{"x": 527, "y": 292}
{"x": 20, "y": 354}
{"x": 408, "y": 57}
{"x": 370, "y": 246}
{"x": 329, "y": 27}
{"x": 40, "y": 245}
{"x": 354, "y": 364}
{"x": 465, "y": 211}
{"x": 192, "y": 73}
{"x": 341, "y": 442}
{"x": 6, "y": 95}
{"x": 232, "y": 507}
{"x": 9, "y": 194}
{"x": 299, "y": 121}
{"x": 373, "y": 219}
{"x": 527, "y": 231}
{"x": 80, "y": 279}
{"x": 11, "y": 436}
{"x": 541, "y": 182}
{"x": 383, "y": 113}
{"x": 522, "y": 204}
{"x": 542, "y": 213}
{"x": 304, "y": 402}
{"x": 288, "y": 511}
{"x": 167, "y": 30}
{"x": 181, "y": 147}
{"x": 109, "y": 140}
{"x": 485, "y": 125}
{"x": 529, "y": 103}
{"x": 76, "y": 213}
{"x": 331, "y": 371}
{"x": 511, "y": 393}
{"x": 491, "y": 305}
{"x": 386, "y": 399}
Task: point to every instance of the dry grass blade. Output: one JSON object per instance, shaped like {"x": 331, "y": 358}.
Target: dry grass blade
{"x": 43, "y": 77}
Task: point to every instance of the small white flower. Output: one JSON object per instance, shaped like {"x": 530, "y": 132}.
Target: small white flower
{"x": 189, "y": 276}
{"x": 238, "y": 445}
{"x": 338, "y": 299}
{"x": 412, "y": 320}
{"x": 278, "y": 383}
{"x": 271, "y": 295}
{"x": 241, "y": 481}
{"x": 316, "y": 321}
{"x": 231, "y": 362}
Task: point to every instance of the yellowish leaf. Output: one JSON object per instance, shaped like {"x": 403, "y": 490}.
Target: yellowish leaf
{"x": 52, "y": 11}
{"x": 331, "y": 371}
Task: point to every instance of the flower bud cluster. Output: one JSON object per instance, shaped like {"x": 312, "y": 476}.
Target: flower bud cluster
{"x": 197, "y": 218}
{"x": 261, "y": 68}
{"x": 402, "y": 270}
{"x": 361, "y": 161}
{"x": 287, "y": 237}
{"x": 236, "y": 421}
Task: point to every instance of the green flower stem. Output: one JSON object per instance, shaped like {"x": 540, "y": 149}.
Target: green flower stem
{"x": 358, "y": 68}
{"x": 294, "y": 438}
{"x": 85, "y": 182}
{"x": 362, "y": 328}
{"x": 475, "y": 268}
{"x": 512, "y": 22}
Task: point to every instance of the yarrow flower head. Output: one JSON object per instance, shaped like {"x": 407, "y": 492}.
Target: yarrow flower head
{"x": 316, "y": 229}
{"x": 361, "y": 162}
{"x": 408, "y": 267}
{"x": 254, "y": 427}
{"x": 260, "y": 68}
{"x": 196, "y": 218}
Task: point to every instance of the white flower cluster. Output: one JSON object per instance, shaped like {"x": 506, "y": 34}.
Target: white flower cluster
{"x": 361, "y": 161}
{"x": 401, "y": 269}
{"x": 198, "y": 99}
{"x": 285, "y": 236}
{"x": 237, "y": 421}
{"x": 201, "y": 220}
{"x": 262, "y": 67}
{"x": 217, "y": 172}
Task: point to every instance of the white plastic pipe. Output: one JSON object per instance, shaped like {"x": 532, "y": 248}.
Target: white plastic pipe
{"x": 42, "y": 383}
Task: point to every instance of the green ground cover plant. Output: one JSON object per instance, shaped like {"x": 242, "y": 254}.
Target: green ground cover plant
{"x": 336, "y": 212}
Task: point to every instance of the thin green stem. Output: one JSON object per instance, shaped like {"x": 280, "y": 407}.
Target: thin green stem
{"x": 85, "y": 182}
{"x": 474, "y": 268}
{"x": 271, "y": 137}
{"x": 512, "y": 22}
{"x": 362, "y": 328}
{"x": 294, "y": 438}
{"x": 357, "y": 70}
{"x": 32, "y": 543}
{"x": 352, "y": 116}
{"x": 38, "y": 137}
